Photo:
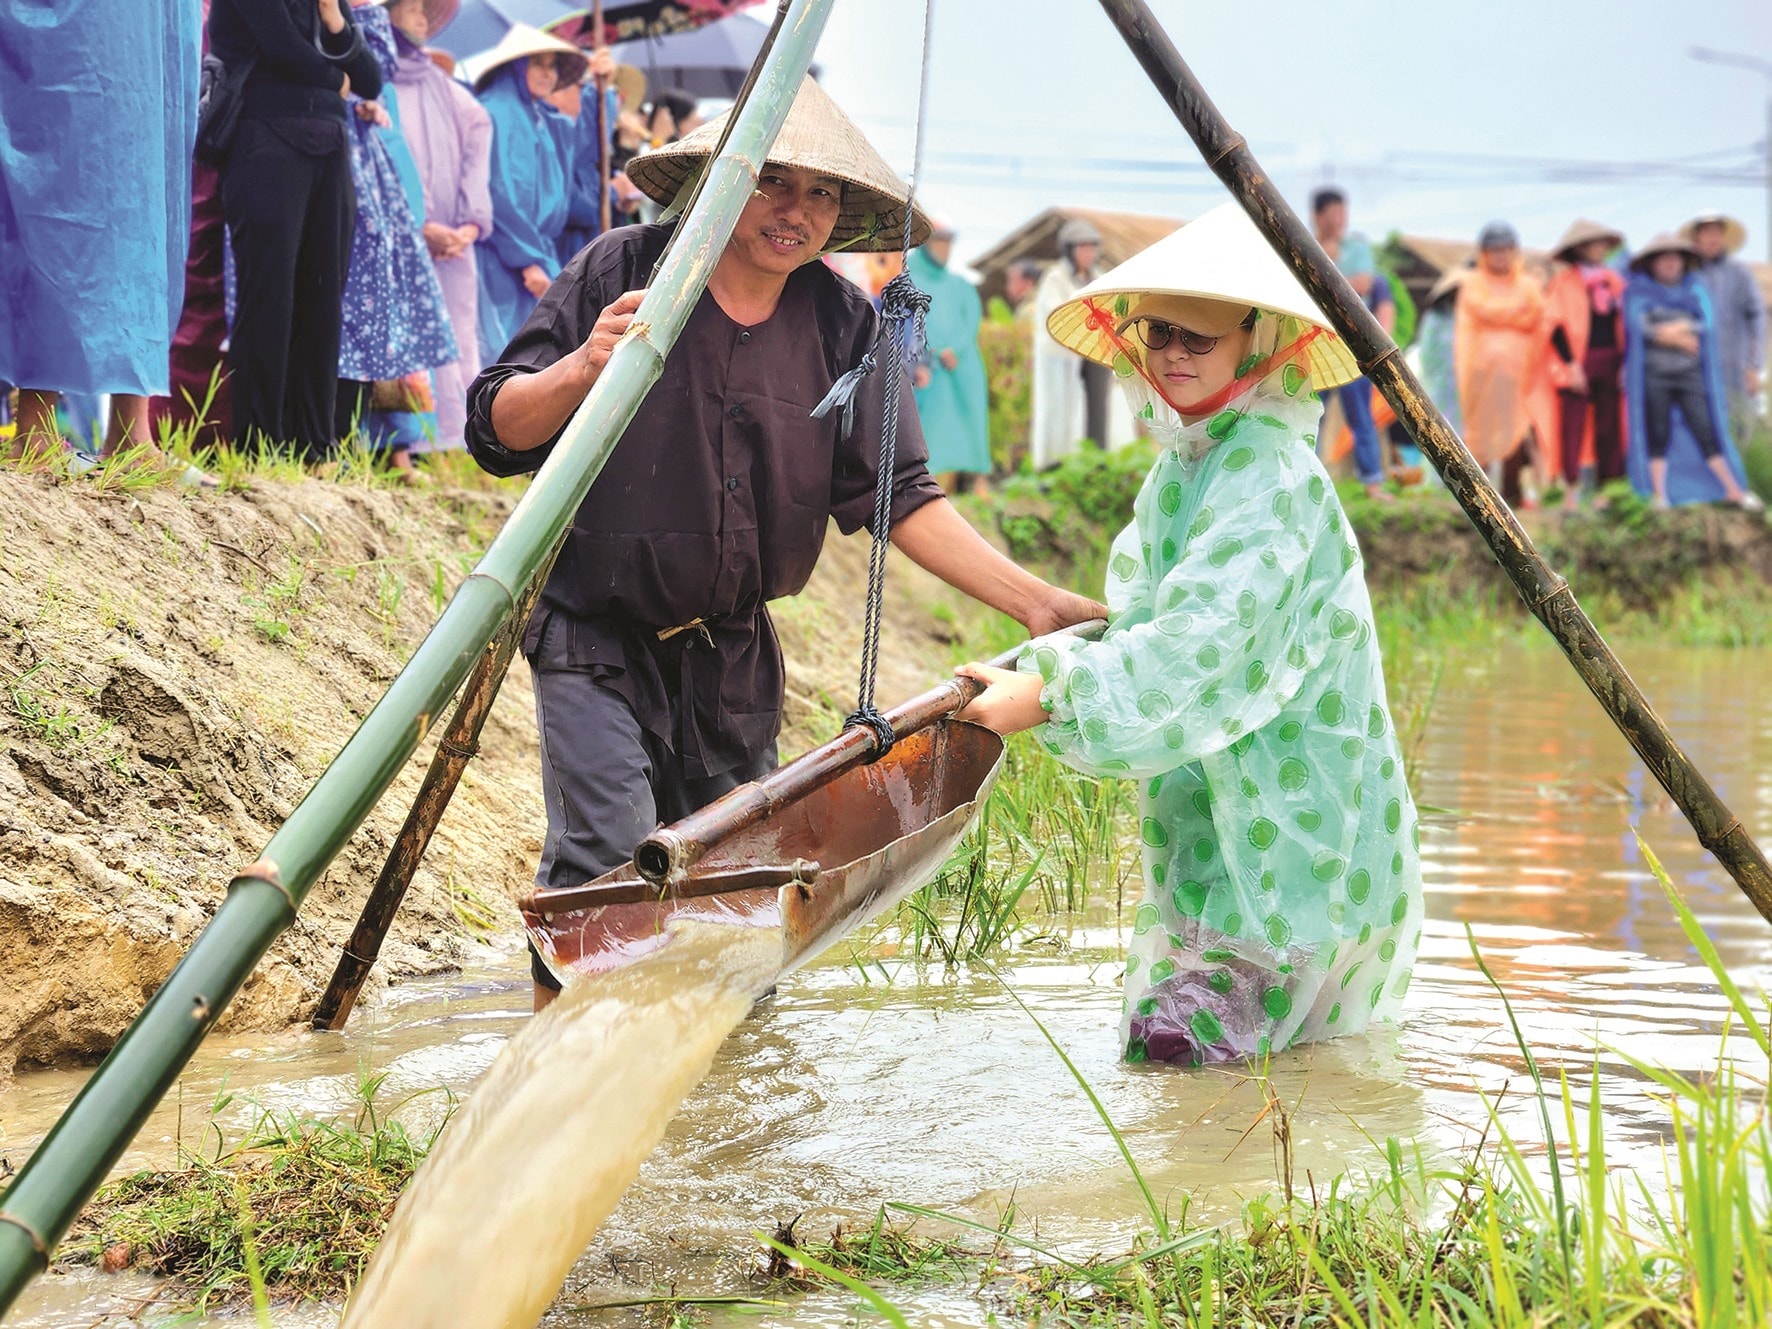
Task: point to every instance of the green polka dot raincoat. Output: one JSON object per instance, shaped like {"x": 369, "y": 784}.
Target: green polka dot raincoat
{"x": 1239, "y": 682}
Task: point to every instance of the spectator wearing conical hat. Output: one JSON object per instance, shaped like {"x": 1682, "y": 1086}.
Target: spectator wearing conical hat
{"x": 1740, "y": 312}
{"x": 658, "y": 677}
{"x": 1674, "y": 383}
{"x": 532, "y": 145}
{"x": 1584, "y": 311}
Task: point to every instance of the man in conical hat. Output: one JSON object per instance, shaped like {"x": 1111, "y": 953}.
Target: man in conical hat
{"x": 1740, "y": 313}
{"x": 658, "y": 677}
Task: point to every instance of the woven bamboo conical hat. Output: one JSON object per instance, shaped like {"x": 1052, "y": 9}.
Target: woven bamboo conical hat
{"x": 1217, "y": 257}
{"x": 521, "y": 40}
{"x": 1734, "y": 233}
{"x": 1580, "y": 231}
{"x": 1668, "y": 242}
{"x": 816, "y": 136}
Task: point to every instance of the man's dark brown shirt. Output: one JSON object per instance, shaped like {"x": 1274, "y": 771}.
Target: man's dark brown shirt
{"x": 715, "y": 501}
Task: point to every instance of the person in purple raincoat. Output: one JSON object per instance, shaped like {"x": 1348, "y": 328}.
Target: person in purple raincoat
{"x": 450, "y": 136}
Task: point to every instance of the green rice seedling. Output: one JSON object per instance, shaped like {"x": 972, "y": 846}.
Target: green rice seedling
{"x": 877, "y": 1303}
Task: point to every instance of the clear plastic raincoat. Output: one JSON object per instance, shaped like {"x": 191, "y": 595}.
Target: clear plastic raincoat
{"x": 1239, "y": 681}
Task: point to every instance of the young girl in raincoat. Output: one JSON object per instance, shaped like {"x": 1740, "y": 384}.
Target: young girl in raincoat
{"x": 1239, "y": 680}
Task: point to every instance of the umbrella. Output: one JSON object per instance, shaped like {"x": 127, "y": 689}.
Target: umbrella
{"x": 480, "y": 23}
{"x": 709, "y": 62}
{"x": 630, "y": 20}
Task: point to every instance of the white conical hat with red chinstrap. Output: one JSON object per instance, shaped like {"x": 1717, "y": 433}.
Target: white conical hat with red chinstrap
{"x": 1206, "y": 276}
{"x": 816, "y": 136}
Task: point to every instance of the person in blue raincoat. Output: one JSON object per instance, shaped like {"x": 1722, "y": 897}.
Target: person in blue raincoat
{"x": 93, "y": 221}
{"x": 950, "y": 380}
{"x": 1671, "y": 364}
{"x": 531, "y": 161}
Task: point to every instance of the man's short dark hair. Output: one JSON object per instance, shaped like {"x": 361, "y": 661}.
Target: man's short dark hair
{"x": 1026, "y": 267}
{"x": 1324, "y": 196}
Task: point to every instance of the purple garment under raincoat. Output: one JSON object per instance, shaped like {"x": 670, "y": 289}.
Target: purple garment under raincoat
{"x": 450, "y": 136}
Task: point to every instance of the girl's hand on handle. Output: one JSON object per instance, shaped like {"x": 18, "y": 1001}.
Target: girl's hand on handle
{"x": 1009, "y": 703}
{"x": 331, "y": 16}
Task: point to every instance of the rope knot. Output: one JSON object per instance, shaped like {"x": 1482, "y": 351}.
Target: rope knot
{"x": 868, "y": 716}
{"x": 843, "y": 392}
{"x": 1100, "y": 320}
{"x": 902, "y": 298}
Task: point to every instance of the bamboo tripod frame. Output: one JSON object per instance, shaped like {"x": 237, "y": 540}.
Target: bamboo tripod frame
{"x": 1546, "y": 593}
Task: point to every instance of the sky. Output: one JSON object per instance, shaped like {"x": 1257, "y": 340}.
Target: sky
{"x": 1594, "y": 109}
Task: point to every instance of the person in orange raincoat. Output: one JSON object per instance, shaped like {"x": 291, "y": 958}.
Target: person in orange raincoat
{"x": 1586, "y": 324}
{"x": 1499, "y": 344}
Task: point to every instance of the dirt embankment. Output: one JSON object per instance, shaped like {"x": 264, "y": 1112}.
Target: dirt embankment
{"x": 177, "y": 669}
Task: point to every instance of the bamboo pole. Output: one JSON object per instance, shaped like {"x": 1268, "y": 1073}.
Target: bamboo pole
{"x": 1546, "y": 593}
{"x": 459, "y": 744}
{"x": 262, "y": 899}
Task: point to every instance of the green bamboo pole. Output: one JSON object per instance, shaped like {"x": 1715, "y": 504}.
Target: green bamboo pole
{"x": 263, "y": 898}
{"x": 1545, "y": 592}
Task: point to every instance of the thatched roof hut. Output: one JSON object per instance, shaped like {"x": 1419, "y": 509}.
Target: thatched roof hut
{"x": 1123, "y": 234}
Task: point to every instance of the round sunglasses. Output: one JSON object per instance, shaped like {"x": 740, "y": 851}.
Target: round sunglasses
{"x": 1157, "y": 334}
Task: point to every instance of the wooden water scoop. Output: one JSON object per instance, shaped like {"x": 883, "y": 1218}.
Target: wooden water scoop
{"x": 815, "y": 848}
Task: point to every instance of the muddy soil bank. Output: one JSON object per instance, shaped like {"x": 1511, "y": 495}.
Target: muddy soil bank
{"x": 175, "y": 669}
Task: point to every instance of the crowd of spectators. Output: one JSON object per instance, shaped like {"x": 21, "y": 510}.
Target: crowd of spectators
{"x": 374, "y": 225}
{"x": 323, "y": 244}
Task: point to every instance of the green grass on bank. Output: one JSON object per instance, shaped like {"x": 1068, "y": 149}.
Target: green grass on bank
{"x": 292, "y": 1208}
{"x": 133, "y": 470}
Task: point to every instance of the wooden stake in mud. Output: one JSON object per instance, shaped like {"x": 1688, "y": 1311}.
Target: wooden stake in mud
{"x": 460, "y": 743}
{"x": 1546, "y": 594}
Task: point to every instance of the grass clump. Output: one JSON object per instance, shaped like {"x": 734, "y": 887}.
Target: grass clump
{"x": 291, "y": 1210}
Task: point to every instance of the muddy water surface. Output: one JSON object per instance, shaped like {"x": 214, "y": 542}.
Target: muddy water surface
{"x": 933, "y": 1088}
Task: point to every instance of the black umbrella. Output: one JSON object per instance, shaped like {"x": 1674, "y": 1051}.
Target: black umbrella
{"x": 709, "y": 62}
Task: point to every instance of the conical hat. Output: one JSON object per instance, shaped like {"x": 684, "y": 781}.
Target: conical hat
{"x": 1666, "y": 242}
{"x": 816, "y": 136}
{"x": 1219, "y": 256}
{"x": 1580, "y": 231}
{"x": 1734, "y": 233}
{"x": 521, "y": 40}
{"x": 438, "y": 15}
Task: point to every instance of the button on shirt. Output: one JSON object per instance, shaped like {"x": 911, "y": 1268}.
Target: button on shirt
{"x": 714, "y": 502}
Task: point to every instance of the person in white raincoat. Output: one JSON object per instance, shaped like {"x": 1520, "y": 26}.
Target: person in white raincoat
{"x": 1060, "y": 414}
{"x": 1239, "y": 679}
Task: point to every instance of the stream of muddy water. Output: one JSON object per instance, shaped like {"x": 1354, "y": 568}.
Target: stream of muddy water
{"x": 856, "y": 1086}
